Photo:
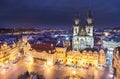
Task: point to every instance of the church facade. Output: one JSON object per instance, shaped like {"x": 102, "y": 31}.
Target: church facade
{"x": 82, "y": 36}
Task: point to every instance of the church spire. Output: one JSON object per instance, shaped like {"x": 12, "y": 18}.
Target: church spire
{"x": 77, "y": 14}
{"x": 76, "y": 24}
{"x": 76, "y": 19}
{"x": 89, "y": 14}
{"x": 89, "y": 18}
{"x": 89, "y": 24}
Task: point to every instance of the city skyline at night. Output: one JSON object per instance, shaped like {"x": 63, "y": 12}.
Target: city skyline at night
{"x": 59, "y": 39}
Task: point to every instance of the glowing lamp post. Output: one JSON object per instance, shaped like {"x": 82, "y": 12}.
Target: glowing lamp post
{"x": 49, "y": 63}
{"x": 73, "y": 72}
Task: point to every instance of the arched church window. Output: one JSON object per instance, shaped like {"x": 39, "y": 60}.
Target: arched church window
{"x": 76, "y": 30}
{"x": 89, "y": 30}
{"x": 81, "y": 43}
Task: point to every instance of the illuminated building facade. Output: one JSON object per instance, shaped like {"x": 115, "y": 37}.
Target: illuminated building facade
{"x": 110, "y": 45}
{"x": 73, "y": 58}
{"x": 86, "y": 58}
{"x": 82, "y": 36}
{"x": 8, "y": 53}
{"x": 116, "y": 63}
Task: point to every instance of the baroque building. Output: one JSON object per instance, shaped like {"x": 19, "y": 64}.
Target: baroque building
{"x": 83, "y": 58}
{"x": 82, "y": 36}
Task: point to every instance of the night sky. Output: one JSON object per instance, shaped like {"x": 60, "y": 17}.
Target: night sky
{"x": 58, "y": 13}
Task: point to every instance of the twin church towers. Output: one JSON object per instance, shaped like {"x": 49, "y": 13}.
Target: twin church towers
{"x": 82, "y": 36}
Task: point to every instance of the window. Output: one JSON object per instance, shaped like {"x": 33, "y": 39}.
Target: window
{"x": 76, "y": 30}
{"x": 89, "y": 30}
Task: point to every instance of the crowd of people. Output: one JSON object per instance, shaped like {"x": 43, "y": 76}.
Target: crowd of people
{"x": 30, "y": 75}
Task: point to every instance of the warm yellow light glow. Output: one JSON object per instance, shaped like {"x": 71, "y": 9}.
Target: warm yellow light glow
{"x": 49, "y": 63}
{"x": 106, "y": 33}
{"x": 30, "y": 64}
{"x": 73, "y": 72}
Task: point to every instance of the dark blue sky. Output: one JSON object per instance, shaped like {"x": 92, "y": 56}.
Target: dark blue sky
{"x": 33, "y": 13}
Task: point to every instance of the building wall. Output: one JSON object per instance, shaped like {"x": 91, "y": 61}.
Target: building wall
{"x": 110, "y": 45}
{"x": 116, "y": 62}
{"x": 85, "y": 58}
{"x": 75, "y": 58}
{"x": 82, "y": 42}
{"x": 102, "y": 59}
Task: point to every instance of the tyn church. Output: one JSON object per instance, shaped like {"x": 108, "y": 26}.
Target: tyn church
{"x": 82, "y": 36}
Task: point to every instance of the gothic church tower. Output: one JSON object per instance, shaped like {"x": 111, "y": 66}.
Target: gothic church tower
{"x": 76, "y": 25}
{"x": 89, "y": 24}
{"x": 82, "y": 36}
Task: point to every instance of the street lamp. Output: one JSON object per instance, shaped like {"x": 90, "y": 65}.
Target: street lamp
{"x": 73, "y": 72}
{"x": 49, "y": 63}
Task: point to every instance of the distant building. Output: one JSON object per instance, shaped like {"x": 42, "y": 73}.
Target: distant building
{"x": 82, "y": 36}
{"x": 110, "y": 45}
